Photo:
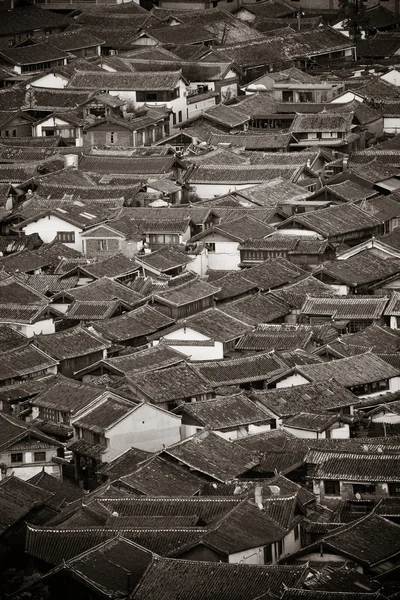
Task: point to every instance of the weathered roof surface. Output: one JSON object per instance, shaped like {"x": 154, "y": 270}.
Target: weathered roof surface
{"x": 350, "y": 190}
{"x": 393, "y": 306}
{"x": 310, "y": 421}
{"x": 361, "y": 269}
{"x": 113, "y": 267}
{"x": 346, "y": 307}
{"x": 92, "y": 310}
{"x": 77, "y": 341}
{"x": 15, "y": 291}
{"x": 176, "y": 382}
{"x": 211, "y": 455}
{"x": 125, "y": 463}
{"x": 252, "y": 141}
{"x": 337, "y": 220}
{"x": 292, "y": 594}
{"x": 286, "y": 243}
{"x": 257, "y": 309}
{"x": 105, "y": 289}
{"x": 351, "y": 371}
{"x": 356, "y": 467}
{"x": 295, "y": 294}
{"x": 276, "y": 337}
{"x": 166, "y": 578}
{"x": 107, "y": 414}
{"x": 259, "y": 367}
{"x": 186, "y": 293}
{"x": 322, "y": 122}
{"x": 68, "y": 395}
{"x": 142, "y": 321}
{"x": 225, "y": 412}
{"x": 370, "y": 540}
{"x": 379, "y": 338}
{"x": 24, "y": 361}
{"x": 13, "y": 430}
{"x": 161, "y": 477}
{"x": 132, "y": 81}
{"x": 159, "y": 356}
{"x": 10, "y": 338}
{"x": 106, "y": 566}
{"x": 17, "y": 499}
{"x": 164, "y": 259}
{"x": 240, "y": 174}
{"x": 139, "y": 167}
{"x": 36, "y": 53}
{"x": 328, "y": 395}
{"x": 63, "y": 491}
{"x": 29, "y": 18}
{"x": 215, "y": 324}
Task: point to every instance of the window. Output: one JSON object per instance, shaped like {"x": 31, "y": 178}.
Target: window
{"x": 179, "y": 116}
{"x": 312, "y": 136}
{"x": 14, "y": 132}
{"x": 332, "y": 487}
{"x": 329, "y": 134}
{"x": 39, "y": 456}
{"x": 17, "y": 457}
{"x": 394, "y": 489}
{"x": 267, "y": 555}
{"x": 296, "y": 532}
{"x": 67, "y": 237}
{"x": 278, "y": 549}
{"x": 363, "y": 489}
{"x": 210, "y": 247}
{"x": 113, "y": 137}
{"x": 103, "y": 245}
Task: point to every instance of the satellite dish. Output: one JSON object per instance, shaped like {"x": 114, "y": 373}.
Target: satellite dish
{"x": 260, "y": 506}
{"x": 358, "y": 496}
{"x": 380, "y": 449}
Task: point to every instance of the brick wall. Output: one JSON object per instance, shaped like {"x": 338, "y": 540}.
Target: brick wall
{"x": 93, "y": 249}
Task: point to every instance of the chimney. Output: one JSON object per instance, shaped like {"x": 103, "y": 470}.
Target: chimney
{"x": 258, "y": 496}
{"x": 345, "y": 164}
{"x": 275, "y": 490}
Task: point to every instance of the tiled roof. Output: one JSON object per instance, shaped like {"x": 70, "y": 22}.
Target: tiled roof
{"x": 104, "y": 416}
{"x": 127, "y": 165}
{"x": 322, "y": 396}
{"x": 142, "y": 321}
{"x": 24, "y": 361}
{"x": 66, "y": 394}
{"x": 310, "y": 421}
{"x": 337, "y": 220}
{"x": 276, "y": 337}
{"x": 240, "y": 174}
{"x": 105, "y": 289}
{"x": 172, "y": 383}
{"x": 259, "y": 367}
{"x": 293, "y": 594}
{"x": 125, "y": 463}
{"x": 393, "y": 306}
{"x": 92, "y": 310}
{"x": 211, "y": 455}
{"x": 361, "y": 269}
{"x": 321, "y": 122}
{"x": 250, "y": 141}
{"x": 370, "y": 540}
{"x": 346, "y": 307}
{"x": 359, "y": 467}
{"x": 233, "y": 284}
{"x": 77, "y": 341}
{"x": 352, "y": 371}
{"x": 113, "y": 267}
{"x": 133, "y": 81}
{"x": 31, "y": 17}
{"x": 225, "y": 412}
{"x": 215, "y": 324}
{"x": 156, "y": 357}
{"x": 63, "y": 491}
{"x": 17, "y": 499}
{"x": 161, "y": 477}
{"x": 186, "y": 293}
{"x": 350, "y": 190}
{"x": 257, "y": 309}
{"x": 166, "y": 578}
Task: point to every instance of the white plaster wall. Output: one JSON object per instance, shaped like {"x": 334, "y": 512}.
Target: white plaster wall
{"x": 210, "y": 190}
{"x": 226, "y": 257}
{"x": 344, "y": 98}
{"x": 198, "y": 107}
{"x": 254, "y": 556}
{"x": 388, "y": 418}
{"x": 304, "y": 434}
{"x": 47, "y": 228}
{"x": 341, "y": 433}
{"x": 43, "y": 326}
{"x": 392, "y": 77}
{"x": 391, "y": 124}
{"x": 147, "y": 428}
{"x": 51, "y": 80}
{"x": 291, "y": 380}
{"x": 199, "y": 353}
{"x": 27, "y": 471}
{"x": 290, "y": 544}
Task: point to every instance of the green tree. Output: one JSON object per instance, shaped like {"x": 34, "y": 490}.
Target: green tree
{"x": 354, "y": 16}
